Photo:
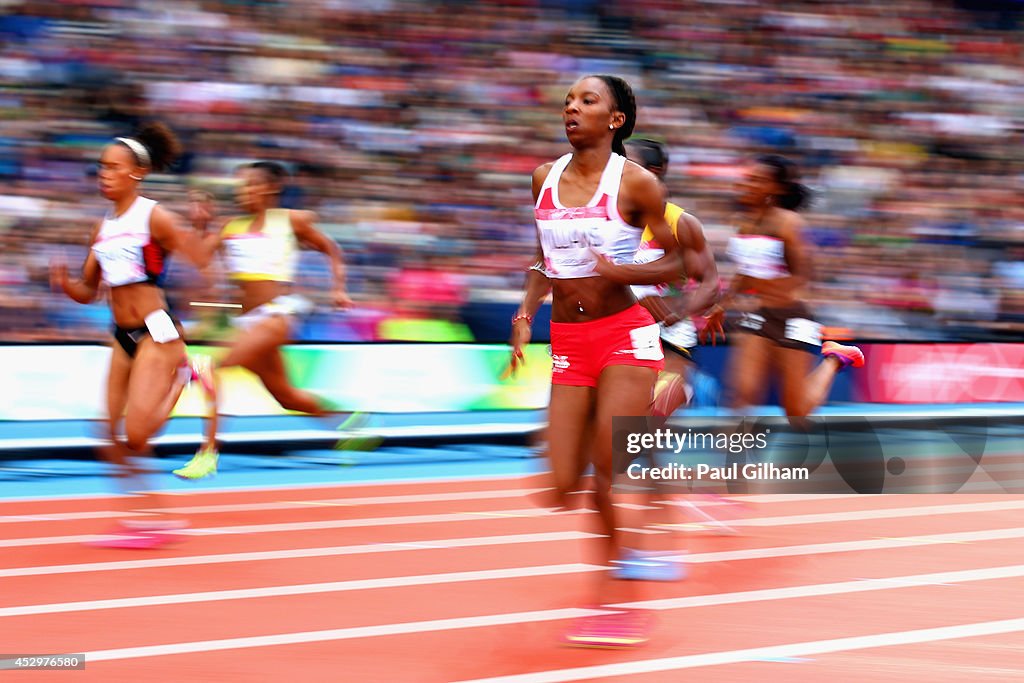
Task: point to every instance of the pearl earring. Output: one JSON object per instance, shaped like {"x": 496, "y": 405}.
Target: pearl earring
{"x": 611, "y": 127}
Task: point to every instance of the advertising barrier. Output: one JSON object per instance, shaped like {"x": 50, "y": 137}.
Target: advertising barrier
{"x": 941, "y": 373}
{"x": 68, "y": 382}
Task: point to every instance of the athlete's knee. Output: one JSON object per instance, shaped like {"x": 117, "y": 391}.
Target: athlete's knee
{"x": 137, "y": 437}
{"x": 797, "y": 409}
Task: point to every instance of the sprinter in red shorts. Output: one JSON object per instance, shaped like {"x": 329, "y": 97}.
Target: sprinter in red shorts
{"x": 591, "y": 207}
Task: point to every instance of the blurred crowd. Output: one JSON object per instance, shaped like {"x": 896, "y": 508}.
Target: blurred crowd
{"x": 412, "y": 129}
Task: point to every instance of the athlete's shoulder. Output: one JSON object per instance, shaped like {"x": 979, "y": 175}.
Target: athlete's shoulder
{"x": 788, "y": 223}
{"x": 542, "y": 171}
{"x": 638, "y": 179}
{"x": 540, "y": 174}
{"x": 301, "y": 219}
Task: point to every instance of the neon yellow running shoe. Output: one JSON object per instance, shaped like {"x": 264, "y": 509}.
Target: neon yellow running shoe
{"x": 203, "y": 464}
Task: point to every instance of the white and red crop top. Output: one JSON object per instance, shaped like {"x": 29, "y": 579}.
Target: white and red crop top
{"x": 125, "y": 249}
{"x": 567, "y": 234}
{"x": 758, "y": 256}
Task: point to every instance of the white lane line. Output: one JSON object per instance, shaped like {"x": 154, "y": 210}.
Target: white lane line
{"x": 802, "y": 649}
{"x": 884, "y": 513}
{"x": 853, "y": 546}
{"x": 302, "y": 589}
{"x": 362, "y": 549}
{"x": 558, "y": 536}
{"x": 551, "y": 615}
{"x": 278, "y": 505}
{"x": 343, "y": 485}
{"x": 834, "y": 588}
{"x": 339, "y": 634}
{"x": 375, "y": 500}
{"x": 533, "y": 512}
{"x": 357, "y": 523}
{"x": 859, "y": 585}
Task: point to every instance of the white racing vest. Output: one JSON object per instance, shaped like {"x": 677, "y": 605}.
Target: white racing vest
{"x": 567, "y": 234}
{"x": 125, "y": 249}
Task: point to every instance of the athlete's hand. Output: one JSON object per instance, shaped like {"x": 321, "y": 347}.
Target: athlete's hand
{"x": 59, "y": 276}
{"x": 200, "y": 209}
{"x": 712, "y": 327}
{"x": 521, "y": 334}
{"x": 341, "y": 299}
{"x": 605, "y": 267}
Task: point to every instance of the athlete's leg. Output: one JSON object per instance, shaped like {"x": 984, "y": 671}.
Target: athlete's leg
{"x": 569, "y": 437}
{"x": 204, "y": 462}
{"x": 258, "y": 350}
{"x": 749, "y": 364}
{"x": 141, "y": 393}
{"x": 153, "y": 390}
{"x": 117, "y": 452}
{"x": 801, "y": 389}
{"x": 271, "y": 370}
{"x": 672, "y": 389}
{"x": 623, "y": 391}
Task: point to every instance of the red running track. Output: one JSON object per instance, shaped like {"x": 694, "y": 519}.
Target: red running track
{"x": 469, "y": 581}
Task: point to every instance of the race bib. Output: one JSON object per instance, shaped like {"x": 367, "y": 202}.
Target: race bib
{"x": 752, "y": 321}
{"x": 803, "y": 330}
{"x": 683, "y": 334}
{"x": 161, "y": 327}
{"x": 646, "y": 344}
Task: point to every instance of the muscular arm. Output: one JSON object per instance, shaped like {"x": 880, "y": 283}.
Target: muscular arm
{"x": 84, "y": 289}
{"x": 304, "y": 225}
{"x": 538, "y": 286}
{"x": 699, "y": 264}
{"x": 198, "y": 248}
{"x": 647, "y": 208}
{"x": 536, "y": 291}
{"x": 659, "y": 309}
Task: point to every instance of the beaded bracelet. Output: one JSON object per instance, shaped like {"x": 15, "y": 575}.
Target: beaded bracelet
{"x": 522, "y": 316}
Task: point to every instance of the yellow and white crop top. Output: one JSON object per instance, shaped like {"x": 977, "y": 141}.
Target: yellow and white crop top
{"x": 270, "y": 254}
{"x": 650, "y": 250}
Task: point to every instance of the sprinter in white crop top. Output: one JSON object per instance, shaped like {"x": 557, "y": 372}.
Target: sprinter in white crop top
{"x": 149, "y": 366}
{"x": 591, "y": 207}
{"x": 261, "y": 252}
{"x": 777, "y": 329}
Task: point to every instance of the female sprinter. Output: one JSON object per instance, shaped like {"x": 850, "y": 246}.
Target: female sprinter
{"x": 261, "y": 250}
{"x": 591, "y": 206}
{"x": 777, "y": 330}
{"x": 148, "y": 367}
{"x": 679, "y": 336}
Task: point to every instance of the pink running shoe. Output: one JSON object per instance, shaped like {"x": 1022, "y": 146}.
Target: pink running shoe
{"x": 848, "y": 356}
{"x": 138, "y": 534}
{"x": 610, "y": 631}
{"x": 197, "y": 368}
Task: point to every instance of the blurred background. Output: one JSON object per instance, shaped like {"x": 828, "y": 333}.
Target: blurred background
{"x": 412, "y": 129}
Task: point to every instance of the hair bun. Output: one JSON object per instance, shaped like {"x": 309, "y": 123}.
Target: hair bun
{"x": 161, "y": 143}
